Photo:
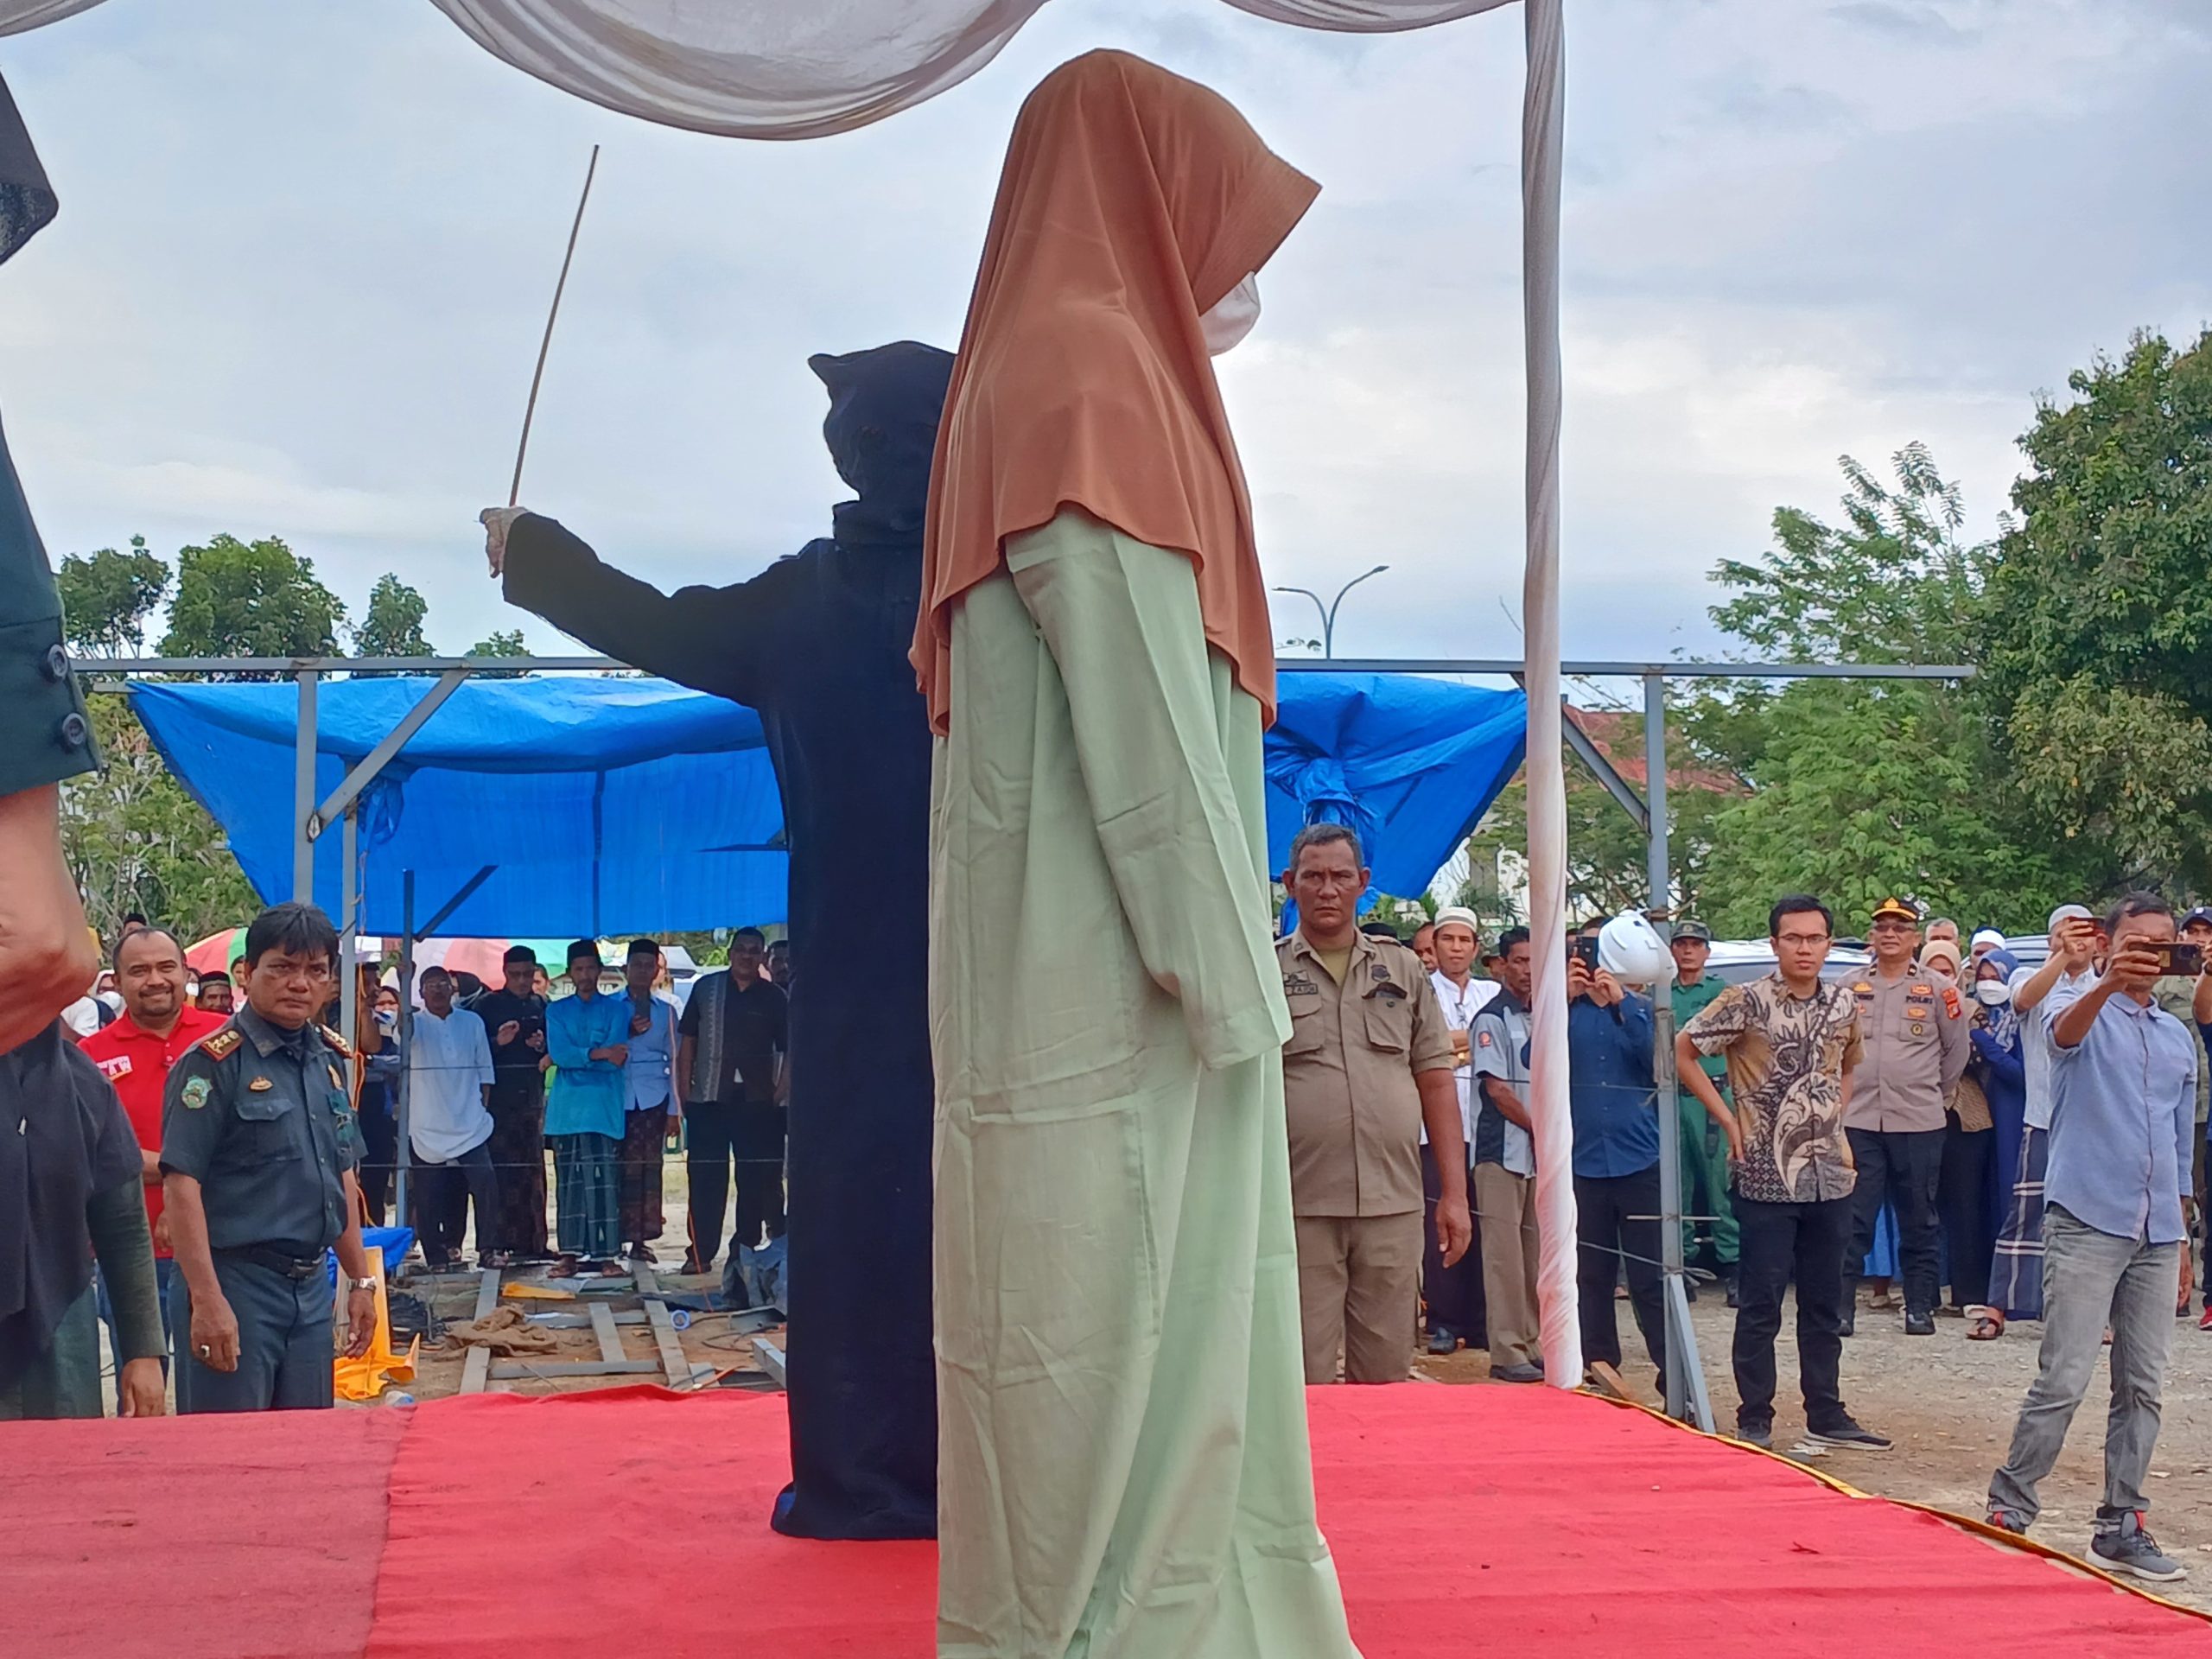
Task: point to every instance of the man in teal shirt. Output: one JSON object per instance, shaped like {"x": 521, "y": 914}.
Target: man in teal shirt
{"x": 1705, "y": 1150}
{"x": 587, "y": 1038}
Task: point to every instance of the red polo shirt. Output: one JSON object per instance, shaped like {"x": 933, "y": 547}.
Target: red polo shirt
{"x": 137, "y": 1062}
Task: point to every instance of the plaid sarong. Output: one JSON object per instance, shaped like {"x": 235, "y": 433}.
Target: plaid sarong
{"x": 2016, "y": 1269}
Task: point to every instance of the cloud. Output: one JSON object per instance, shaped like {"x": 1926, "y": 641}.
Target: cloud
{"x": 304, "y": 254}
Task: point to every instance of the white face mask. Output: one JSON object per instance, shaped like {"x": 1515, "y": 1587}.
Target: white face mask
{"x": 1993, "y": 992}
{"x": 1232, "y": 317}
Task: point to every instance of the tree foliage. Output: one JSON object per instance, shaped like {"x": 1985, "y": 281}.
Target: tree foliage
{"x": 2098, "y": 620}
{"x": 138, "y": 841}
{"x": 108, "y": 597}
{"x": 392, "y": 625}
{"x": 250, "y": 599}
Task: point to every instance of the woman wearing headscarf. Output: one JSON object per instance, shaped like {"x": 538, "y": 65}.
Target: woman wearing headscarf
{"x": 2000, "y": 1069}
{"x": 1963, "y": 1197}
{"x": 1123, "y": 1464}
{"x": 73, "y": 1193}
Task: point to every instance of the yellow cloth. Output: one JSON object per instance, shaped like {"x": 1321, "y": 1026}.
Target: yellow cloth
{"x": 363, "y": 1377}
{"x": 1124, "y": 1467}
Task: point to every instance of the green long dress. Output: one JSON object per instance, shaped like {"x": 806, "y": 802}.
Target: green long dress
{"x": 1124, "y": 1467}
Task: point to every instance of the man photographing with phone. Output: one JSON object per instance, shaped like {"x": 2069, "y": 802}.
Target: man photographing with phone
{"x": 2123, "y": 1078}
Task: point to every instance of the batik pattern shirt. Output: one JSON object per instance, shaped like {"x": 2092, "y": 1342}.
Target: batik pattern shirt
{"x": 1786, "y": 1056}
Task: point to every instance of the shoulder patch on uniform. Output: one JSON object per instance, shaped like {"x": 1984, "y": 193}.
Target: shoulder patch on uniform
{"x": 336, "y": 1042}
{"x": 1951, "y": 1003}
{"x": 195, "y": 1093}
{"x": 1483, "y": 1038}
{"x": 220, "y": 1045}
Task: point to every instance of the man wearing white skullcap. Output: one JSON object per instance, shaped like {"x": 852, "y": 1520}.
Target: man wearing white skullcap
{"x": 1453, "y": 1295}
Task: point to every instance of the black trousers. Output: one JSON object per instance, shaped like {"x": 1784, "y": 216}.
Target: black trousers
{"x": 1904, "y": 1165}
{"x": 718, "y": 1136}
{"x": 379, "y": 1155}
{"x": 442, "y": 1194}
{"x": 1617, "y": 1224}
{"x": 1779, "y": 1243}
{"x": 1453, "y": 1294}
{"x": 1963, "y": 1198}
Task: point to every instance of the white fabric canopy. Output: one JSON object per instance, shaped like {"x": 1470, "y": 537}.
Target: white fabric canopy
{"x": 777, "y": 69}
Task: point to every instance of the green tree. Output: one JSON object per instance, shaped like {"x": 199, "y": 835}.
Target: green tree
{"x": 138, "y": 841}
{"x": 2098, "y": 651}
{"x": 1859, "y": 789}
{"x": 504, "y": 642}
{"x": 250, "y": 599}
{"x": 107, "y": 596}
{"x": 392, "y": 626}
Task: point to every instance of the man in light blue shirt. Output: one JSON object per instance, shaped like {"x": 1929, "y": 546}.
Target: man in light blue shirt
{"x": 587, "y": 1038}
{"x": 2123, "y": 1080}
{"x": 650, "y": 1099}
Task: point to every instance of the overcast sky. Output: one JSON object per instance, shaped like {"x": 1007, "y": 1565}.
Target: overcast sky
{"x": 305, "y": 250}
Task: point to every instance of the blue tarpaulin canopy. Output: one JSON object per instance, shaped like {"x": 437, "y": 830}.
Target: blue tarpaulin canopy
{"x": 608, "y": 805}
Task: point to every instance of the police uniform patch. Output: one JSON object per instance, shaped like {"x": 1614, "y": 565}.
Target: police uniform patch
{"x": 259, "y": 1086}
{"x": 336, "y": 1042}
{"x": 1380, "y": 972}
{"x": 1483, "y": 1038}
{"x": 1919, "y": 1030}
{"x": 222, "y": 1042}
{"x": 1952, "y": 1008}
{"x": 1298, "y": 984}
{"x": 196, "y": 1090}
{"x": 1920, "y": 990}
{"x": 336, "y": 1082}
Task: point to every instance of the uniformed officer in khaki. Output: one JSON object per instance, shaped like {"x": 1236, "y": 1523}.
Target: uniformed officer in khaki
{"x": 260, "y": 1144}
{"x": 1913, "y": 1025}
{"x": 1369, "y": 1062}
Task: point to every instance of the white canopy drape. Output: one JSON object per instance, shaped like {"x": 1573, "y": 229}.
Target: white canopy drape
{"x": 773, "y": 69}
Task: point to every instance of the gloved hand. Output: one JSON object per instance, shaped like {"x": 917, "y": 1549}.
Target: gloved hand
{"x": 497, "y": 522}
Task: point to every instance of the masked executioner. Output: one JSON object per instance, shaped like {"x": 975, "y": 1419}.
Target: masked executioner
{"x": 817, "y": 643}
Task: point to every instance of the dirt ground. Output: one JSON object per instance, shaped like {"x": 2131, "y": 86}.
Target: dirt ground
{"x": 709, "y": 1340}
{"x": 1948, "y": 1404}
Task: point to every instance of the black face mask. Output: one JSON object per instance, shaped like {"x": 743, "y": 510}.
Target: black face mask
{"x": 885, "y": 405}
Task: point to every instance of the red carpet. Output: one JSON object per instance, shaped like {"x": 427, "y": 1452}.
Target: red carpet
{"x": 1464, "y": 1520}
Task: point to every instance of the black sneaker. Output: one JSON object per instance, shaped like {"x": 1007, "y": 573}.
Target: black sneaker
{"x": 1847, "y": 1326}
{"x": 1728, "y": 1282}
{"x": 1920, "y": 1324}
{"x": 1848, "y": 1436}
{"x": 2128, "y": 1548}
{"x": 1759, "y": 1434}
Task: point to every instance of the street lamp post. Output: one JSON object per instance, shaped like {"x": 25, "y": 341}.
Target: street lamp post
{"x": 1329, "y": 611}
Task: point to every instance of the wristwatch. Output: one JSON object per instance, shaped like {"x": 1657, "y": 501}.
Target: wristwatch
{"x": 360, "y": 1284}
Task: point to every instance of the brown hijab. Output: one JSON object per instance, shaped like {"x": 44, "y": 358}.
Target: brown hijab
{"x": 1132, "y": 201}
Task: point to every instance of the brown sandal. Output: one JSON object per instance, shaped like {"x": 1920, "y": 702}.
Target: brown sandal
{"x": 1983, "y": 1324}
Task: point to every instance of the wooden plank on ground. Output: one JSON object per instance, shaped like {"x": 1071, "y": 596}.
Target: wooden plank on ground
{"x": 511, "y": 1369}
{"x": 602, "y": 1324}
{"x": 476, "y": 1367}
{"x": 770, "y": 1359}
{"x": 672, "y": 1350}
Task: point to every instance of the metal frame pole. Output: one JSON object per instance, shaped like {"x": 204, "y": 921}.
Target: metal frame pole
{"x": 1685, "y": 1390}
{"x": 349, "y": 927}
{"x": 303, "y": 742}
{"x": 406, "y": 1040}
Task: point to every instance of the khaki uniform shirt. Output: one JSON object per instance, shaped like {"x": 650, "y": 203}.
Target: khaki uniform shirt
{"x": 1347, "y": 1077}
{"x": 1915, "y": 1030}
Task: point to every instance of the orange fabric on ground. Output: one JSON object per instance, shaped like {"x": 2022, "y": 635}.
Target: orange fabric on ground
{"x": 1132, "y": 201}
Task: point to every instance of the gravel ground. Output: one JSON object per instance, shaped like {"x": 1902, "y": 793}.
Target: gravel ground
{"x": 1949, "y": 1403}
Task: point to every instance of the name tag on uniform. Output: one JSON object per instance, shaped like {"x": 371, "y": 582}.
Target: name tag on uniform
{"x": 260, "y": 1085}
{"x": 118, "y": 1067}
{"x": 1299, "y": 984}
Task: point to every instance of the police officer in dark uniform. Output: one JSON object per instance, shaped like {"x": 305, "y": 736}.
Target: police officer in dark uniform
{"x": 260, "y": 1144}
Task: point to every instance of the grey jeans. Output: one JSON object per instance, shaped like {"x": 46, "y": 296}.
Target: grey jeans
{"x": 2091, "y": 1281}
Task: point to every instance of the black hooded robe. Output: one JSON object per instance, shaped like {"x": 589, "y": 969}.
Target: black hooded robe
{"x": 817, "y": 645}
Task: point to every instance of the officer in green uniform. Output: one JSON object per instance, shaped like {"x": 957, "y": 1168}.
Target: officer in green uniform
{"x": 1704, "y": 1149}
{"x": 47, "y": 957}
{"x": 259, "y": 1143}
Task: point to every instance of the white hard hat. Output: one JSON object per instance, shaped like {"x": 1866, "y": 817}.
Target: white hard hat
{"x": 1630, "y": 950}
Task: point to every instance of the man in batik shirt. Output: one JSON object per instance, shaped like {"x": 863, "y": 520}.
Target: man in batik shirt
{"x": 1791, "y": 1041}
